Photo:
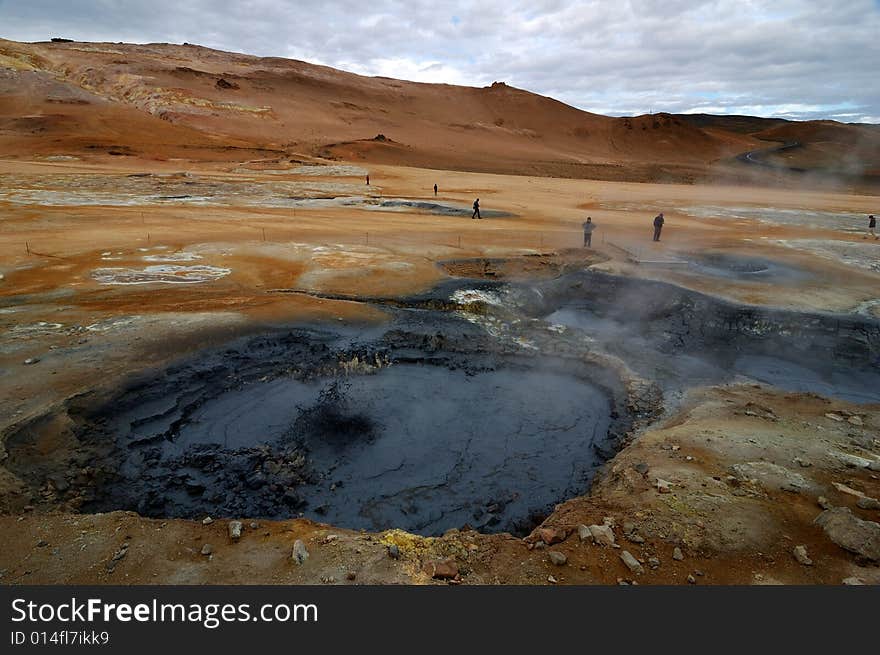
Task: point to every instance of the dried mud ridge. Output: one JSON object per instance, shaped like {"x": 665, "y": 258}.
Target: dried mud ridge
{"x": 481, "y": 404}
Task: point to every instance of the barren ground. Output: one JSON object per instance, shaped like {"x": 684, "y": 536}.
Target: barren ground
{"x": 741, "y": 464}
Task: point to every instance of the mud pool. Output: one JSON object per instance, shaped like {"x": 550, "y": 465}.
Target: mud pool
{"x": 418, "y": 446}
{"x": 478, "y": 403}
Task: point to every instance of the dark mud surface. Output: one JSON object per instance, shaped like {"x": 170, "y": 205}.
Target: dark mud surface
{"x": 747, "y": 269}
{"x": 479, "y": 403}
{"x": 397, "y": 429}
{"x": 683, "y": 339}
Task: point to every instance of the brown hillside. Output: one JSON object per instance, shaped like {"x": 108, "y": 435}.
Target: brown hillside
{"x": 181, "y": 101}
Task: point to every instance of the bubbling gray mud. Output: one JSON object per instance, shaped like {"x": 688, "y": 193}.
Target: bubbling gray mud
{"x": 683, "y": 339}
{"x": 480, "y": 404}
{"x": 424, "y": 432}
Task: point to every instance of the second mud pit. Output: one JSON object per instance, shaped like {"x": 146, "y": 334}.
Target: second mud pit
{"x": 480, "y": 404}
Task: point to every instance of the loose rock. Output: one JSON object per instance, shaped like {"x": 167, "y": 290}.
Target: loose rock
{"x": 393, "y": 551}
{"x": 677, "y": 555}
{"x": 602, "y": 535}
{"x": 300, "y": 553}
{"x": 800, "y": 554}
{"x": 207, "y": 549}
{"x": 850, "y": 532}
{"x": 441, "y": 569}
{"x": 868, "y": 503}
{"x": 557, "y": 558}
{"x": 584, "y": 533}
{"x": 235, "y": 530}
{"x": 631, "y": 562}
{"x": 552, "y": 535}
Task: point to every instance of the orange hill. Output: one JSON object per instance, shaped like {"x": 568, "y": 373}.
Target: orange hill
{"x": 162, "y": 101}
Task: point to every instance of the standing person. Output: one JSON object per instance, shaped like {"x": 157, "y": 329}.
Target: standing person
{"x": 476, "y": 213}
{"x": 368, "y": 179}
{"x": 589, "y": 226}
{"x": 658, "y": 226}
{"x": 872, "y": 225}
{"x": 435, "y": 189}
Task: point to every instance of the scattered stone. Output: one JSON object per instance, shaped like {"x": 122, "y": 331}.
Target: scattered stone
{"x": 631, "y": 562}
{"x": 351, "y": 575}
{"x": 329, "y": 539}
{"x": 842, "y": 488}
{"x": 853, "y": 581}
{"x": 677, "y": 555}
{"x": 851, "y": 461}
{"x": 31, "y": 360}
{"x": 207, "y": 520}
{"x": 557, "y": 558}
{"x": 551, "y": 579}
{"x": 300, "y": 553}
{"x": 691, "y": 579}
{"x": 602, "y": 535}
{"x": 834, "y": 417}
{"x": 207, "y": 549}
{"x": 800, "y": 554}
{"x": 393, "y": 551}
{"x": 642, "y": 468}
{"x": 663, "y": 486}
{"x": 119, "y": 554}
{"x": 42, "y": 543}
{"x": 850, "y": 532}
{"x": 235, "y": 530}
{"x": 653, "y": 562}
{"x": 868, "y": 503}
{"x": 771, "y": 475}
{"x": 254, "y": 525}
{"x": 584, "y": 533}
{"x": 822, "y": 501}
{"x": 630, "y": 531}
{"x": 803, "y": 463}
{"x": 552, "y": 535}
{"x": 441, "y": 569}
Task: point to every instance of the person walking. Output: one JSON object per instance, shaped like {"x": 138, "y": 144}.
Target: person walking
{"x": 476, "y": 213}
{"x": 658, "y": 226}
{"x": 872, "y": 226}
{"x": 588, "y": 226}
{"x": 435, "y": 189}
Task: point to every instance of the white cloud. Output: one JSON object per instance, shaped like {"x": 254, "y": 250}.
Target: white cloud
{"x": 793, "y": 58}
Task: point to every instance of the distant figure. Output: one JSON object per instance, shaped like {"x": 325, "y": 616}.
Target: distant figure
{"x": 658, "y": 226}
{"x": 872, "y": 225}
{"x": 435, "y": 189}
{"x": 368, "y": 180}
{"x": 589, "y": 226}
{"x": 476, "y": 213}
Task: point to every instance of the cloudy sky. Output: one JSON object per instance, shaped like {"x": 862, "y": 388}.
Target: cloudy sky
{"x": 790, "y": 58}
